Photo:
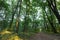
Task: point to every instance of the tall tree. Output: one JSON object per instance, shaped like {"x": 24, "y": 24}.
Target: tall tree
{"x": 18, "y": 16}
{"x": 52, "y": 5}
{"x": 13, "y": 13}
{"x": 26, "y": 22}
{"x": 50, "y": 12}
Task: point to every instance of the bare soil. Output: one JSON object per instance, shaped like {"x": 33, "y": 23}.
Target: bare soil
{"x": 44, "y": 36}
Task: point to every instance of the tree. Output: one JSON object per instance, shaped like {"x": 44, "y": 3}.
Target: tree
{"x": 18, "y": 16}
{"x": 52, "y": 5}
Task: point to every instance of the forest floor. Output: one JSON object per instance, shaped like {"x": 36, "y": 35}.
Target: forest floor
{"x": 6, "y": 35}
{"x": 45, "y": 36}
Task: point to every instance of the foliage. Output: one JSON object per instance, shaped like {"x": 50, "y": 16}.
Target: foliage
{"x": 29, "y": 16}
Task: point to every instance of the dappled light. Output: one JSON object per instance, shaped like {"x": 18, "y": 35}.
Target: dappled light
{"x": 7, "y": 35}
{"x": 29, "y": 19}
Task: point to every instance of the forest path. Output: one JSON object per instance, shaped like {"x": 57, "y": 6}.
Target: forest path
{"x": 38, "y": 36}
{"x": 44, "y": 36}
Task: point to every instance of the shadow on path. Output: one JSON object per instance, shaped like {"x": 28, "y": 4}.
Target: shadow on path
{"x": 44, "y": 36}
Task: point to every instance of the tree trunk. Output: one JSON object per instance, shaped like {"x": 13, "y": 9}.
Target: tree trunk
{"x": 52, "y": 5}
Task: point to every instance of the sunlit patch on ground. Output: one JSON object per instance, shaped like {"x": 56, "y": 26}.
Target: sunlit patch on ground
{"x": 7, "y": 35}
{"x": 17, "y": 38}
{"x": 5, "y": 32}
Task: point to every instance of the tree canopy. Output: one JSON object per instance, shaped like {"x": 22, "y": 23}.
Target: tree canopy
{"x": 30, "y": 16}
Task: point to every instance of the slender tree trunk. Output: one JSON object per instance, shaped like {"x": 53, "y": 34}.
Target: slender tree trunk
{"x": 26, "y": 23}
{"x": 18, "y": 16}
{"x": 45, "y": 21}
{"x": 52, "y": 5}
{"x": 13, "y": 13}
{"x": 51, "y": 23}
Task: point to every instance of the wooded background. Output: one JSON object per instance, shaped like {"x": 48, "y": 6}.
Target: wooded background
{"x": 30, "y": 16}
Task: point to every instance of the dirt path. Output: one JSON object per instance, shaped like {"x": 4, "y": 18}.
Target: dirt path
{"x": 44, "y": 36}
